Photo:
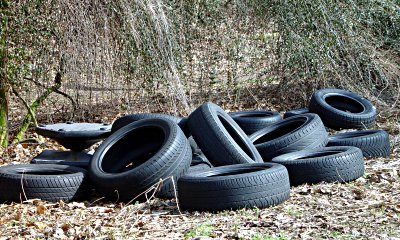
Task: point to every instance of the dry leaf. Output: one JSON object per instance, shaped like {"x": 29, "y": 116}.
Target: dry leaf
{"x": 65, "y": 227}
{"x": 41, "y": 209}
{"x": 359, "y": 194}
{"x": 40, "y": 225}
{"x": 17, "y": 216}
{"x": 61, "y": 203}
{"x": 77, "y": 205}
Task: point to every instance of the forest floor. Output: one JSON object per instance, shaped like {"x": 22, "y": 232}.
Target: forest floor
{"x": 368, "y": 208}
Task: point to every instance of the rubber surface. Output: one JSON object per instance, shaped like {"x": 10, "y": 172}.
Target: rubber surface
{"x": 198, "y": 167}
{"x": 70, "y": 158}
{"x": 295, "y": 112}
{"x": 342, "y": 109}
{"x": 330, "y": 164}
{"x": 137, "y": 156}
{"x": 48, "y": 182}
{"x": 125, "y": 120}
{"x": 292, "y": 134}
{"x": 234, "y": 187}
{"x": 252, "y": 121}
{"x": 222, "y": 141}
{"x": 75, "y": 136}
{"x": 373, "y": 143}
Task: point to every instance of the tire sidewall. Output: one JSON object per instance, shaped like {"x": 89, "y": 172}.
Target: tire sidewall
{"x": 98, "y": 175}
{"x": 216, "y": 112}
{"x": 321, "y": 95}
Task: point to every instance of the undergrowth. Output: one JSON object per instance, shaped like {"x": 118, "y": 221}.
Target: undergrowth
{"x": 177, "y": 54}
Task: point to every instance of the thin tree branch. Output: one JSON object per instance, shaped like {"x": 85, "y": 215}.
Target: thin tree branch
{"x": 28, "y": 108}
{"x": 73, "y": 103}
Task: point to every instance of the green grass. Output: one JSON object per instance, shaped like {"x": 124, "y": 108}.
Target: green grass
{"x": 294, "y": 213}
{"x": 202, "y": 230}
{"x": 259, "y": 236}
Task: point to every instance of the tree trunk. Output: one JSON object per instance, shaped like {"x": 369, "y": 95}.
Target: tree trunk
{"x": 3, "y": 117}
{"x": 3, "y": 79}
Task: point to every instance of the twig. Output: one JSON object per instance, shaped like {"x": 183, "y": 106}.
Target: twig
{"x": 28, "y": 108}
{"x": 22, "y": 185}
{"x": 56, "y": 91}
{"x": 176, "y": 195}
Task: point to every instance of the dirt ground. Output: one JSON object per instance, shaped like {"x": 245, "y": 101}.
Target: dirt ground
{"x": 368, "y": 208}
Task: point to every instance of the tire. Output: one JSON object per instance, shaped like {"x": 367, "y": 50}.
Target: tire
{"x": 234, "y": 187}
{"x": 194, "y": 146}
{"x": 60, "y": 157}
{"x": 373, "y": 143}
{"x": 198, "y": 167}
{"x": 252, "y": 121}
{"x": 295, "y": 112}
{"x": 48, "y": 182}
{"x": 75, "y": 136}
{"x": 137, "y": 156}
{"x": 342, "y": 109}
{"x": 222, "y": 141}
{"x": 125, "y": 120}
{"x": 200, "y": 159}
{"x": 292, "y": 134}
{"x": 329, "y": 164}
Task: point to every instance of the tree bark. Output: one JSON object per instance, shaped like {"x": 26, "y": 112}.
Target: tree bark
{"x": 4, "y": 87}
{"x": 3, "y": 117}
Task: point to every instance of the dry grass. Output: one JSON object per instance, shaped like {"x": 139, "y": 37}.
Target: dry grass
{"x": 365, "y": 209}
{"x": 368, "y": 208}
{"x": 227, "y": 58}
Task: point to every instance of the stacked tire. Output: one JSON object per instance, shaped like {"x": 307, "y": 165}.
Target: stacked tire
{"x": 213, "y": 160}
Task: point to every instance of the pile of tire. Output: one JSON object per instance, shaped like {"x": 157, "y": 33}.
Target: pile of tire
{"x": 212, "y": 160}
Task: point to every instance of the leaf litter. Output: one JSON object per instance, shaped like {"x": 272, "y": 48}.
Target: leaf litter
{"x": 368, "y": 208}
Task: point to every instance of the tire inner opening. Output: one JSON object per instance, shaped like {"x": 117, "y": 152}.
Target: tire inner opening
{"x": 280, "y": 131}
{"x": 345, "y": 104}
{"x": 352, "y": 135}
{"x": 236, "y": 137}
{"x": 133, "y": 149}
{"x": 239, "y": 171}
{"x": 255, "y": 115}
{"x": 319, "y": 154}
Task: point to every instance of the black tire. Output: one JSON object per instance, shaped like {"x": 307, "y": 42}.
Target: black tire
{"x": 125, "y": 120}
{"x": 373, "y": 143}
{"x": 342, "y": 109}
{"x": 198, "y": 167}
{"x": 234, "y": 187}
{"x": 137, "y": 156}
{"x": 252, "y": 121}
{"x": 194, "y": 146}
{"x": 60, "y": 157}
{"x": 292, "y": 134}
{"x": 48, "y": 182}
{"x": 330, "y": 164}
{"x": 295, "y": 112}
{"x": 199, "y": 158}
{"x": 222, "y": 141}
